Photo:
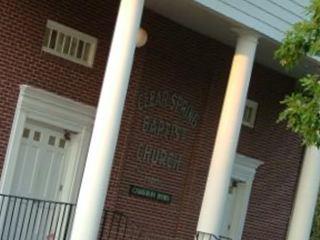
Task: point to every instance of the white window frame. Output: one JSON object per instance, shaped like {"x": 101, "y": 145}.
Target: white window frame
{"x": 76, "y": 34}
{"x": 254, "y": 106}
{"x": 42, "y": 106}
{"x": 244, "y": 170}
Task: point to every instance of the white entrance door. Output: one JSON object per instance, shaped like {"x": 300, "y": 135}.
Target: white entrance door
{"x": 230, "y": 217}
{"x": 42, "y": 162}
{"x": 43, "y": 166}
{"x": 36, "y": 211}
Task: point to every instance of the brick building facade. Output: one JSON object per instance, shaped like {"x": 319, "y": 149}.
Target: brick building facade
{"x": 176, "y": 63}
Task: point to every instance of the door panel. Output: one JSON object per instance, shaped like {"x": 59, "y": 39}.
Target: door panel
{"x": 42, "y": 164}
{"x": 40, "y": 174}
{"x": 230, "y": 210}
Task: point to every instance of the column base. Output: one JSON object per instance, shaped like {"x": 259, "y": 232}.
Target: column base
{"x": 207, "y": 236}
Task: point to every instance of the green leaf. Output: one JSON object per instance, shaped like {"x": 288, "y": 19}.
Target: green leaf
{"x": 302, "y": 109}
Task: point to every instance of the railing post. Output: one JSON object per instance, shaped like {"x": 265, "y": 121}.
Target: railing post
{"x": 28, "y": 218}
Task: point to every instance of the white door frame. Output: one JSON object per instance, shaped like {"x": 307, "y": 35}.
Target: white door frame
{"x": 49, "y": 108}
{"x": 244, "y": 170}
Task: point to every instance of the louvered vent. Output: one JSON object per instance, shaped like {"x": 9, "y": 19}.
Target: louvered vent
{"x": 250, "y": 112}
{"x": 69, "y": 43}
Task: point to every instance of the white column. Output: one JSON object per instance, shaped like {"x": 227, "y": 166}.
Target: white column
{"x": 306, "y": 196}
{"x": 226, "y": 141}
{"x": 97, "y": 171}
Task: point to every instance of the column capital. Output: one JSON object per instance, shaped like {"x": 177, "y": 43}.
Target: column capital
{"x": 246, "y": 34}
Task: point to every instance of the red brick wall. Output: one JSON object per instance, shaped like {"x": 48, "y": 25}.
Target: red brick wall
{"x": 175, "y": 59}
{"x": 22, "y": 25}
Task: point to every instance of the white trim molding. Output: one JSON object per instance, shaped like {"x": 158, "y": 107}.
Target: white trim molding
{"x": 69, "y": 43}
{"x": 244, "y": 170}
{"x": 42, "y": 106}
{"x": 250, "y": 113}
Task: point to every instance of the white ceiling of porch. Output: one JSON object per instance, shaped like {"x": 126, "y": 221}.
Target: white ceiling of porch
{"x": 205, "y": 21}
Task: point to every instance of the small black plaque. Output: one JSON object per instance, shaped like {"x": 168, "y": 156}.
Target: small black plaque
{"x": 150, "y": 194}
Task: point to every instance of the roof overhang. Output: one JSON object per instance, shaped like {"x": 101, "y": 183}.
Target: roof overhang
{"x": 195, "y": 16}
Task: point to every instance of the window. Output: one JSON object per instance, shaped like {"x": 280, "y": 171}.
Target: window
{"x": 69, "y": 43}
{"x": 250, "y": 112}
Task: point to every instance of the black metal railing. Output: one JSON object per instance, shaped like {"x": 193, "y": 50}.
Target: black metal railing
{"x": 208, "y": 236}
{"x": 117, "y": 226}
{"x": 24, "y": 218}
